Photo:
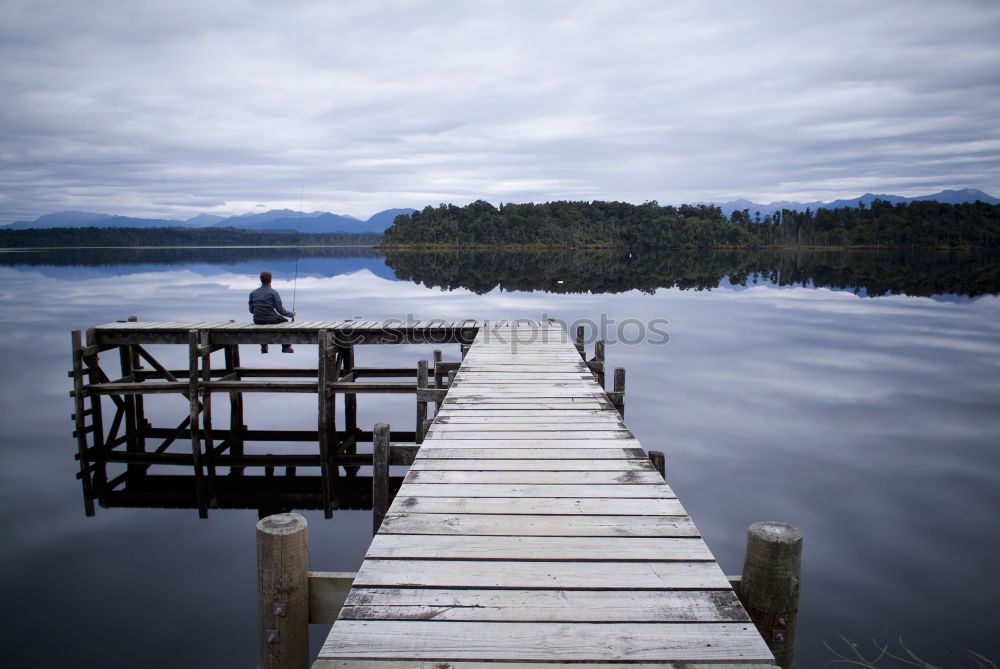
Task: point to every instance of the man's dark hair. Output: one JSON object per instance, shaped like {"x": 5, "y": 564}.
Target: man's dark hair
{"x": 265, "y": 278}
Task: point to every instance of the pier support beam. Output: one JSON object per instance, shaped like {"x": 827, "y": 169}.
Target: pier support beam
{"x": 619, "y": 390}
{"x": 80, "y": 413}
{"x": 327, "y": 418}
{"x": 597, "y": 362}
{"x": 770, "y": 586}
{"x": 659, "y": 461}
{"x": 380, "y": 475}
{"x": 422, "y": 380}
{"x": 282, "y": 592}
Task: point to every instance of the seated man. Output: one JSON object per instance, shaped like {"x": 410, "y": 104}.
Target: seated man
{"x": 265, "y": 305}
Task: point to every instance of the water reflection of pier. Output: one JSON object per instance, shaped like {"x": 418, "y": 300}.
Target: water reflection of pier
{"x": 210, "y": 457}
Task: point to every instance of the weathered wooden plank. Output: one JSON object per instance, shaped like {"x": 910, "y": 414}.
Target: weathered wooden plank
{"x": 577, "y": 418}
{"x": 401, "y": 520}
{"x": 445, "y": 426}
{"x": 427, "y": 464}
{"x": 429, "y": 452}
{"x": 328, "y": 663}
{"x": 549, "y": 641}
{"x": 544, "y": 605}
{"x": 520, "y": 356}
{"x": 481, "y": 433}
{"x": 500, "y": 404}
{"x": 530, "y": 547}
{"x": 534, "y": 477}
{"x": 699, "y": 575}
{"x": 564, "y": 506}
{"x": 555, "y": 443}
{"x": 456, "y": 412}
{"x": 521, "y": 376}
{"x": 471, "y": 370}
{"x": 540, "y": 490}
{"x": 481, "y": 394}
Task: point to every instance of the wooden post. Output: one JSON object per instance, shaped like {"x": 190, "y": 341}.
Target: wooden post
{"x": 199, "y": 471}
{"x": 579, "y": 342}
{"x": 438, "y": 376}
{"x": 126, "y": 355}
{"x": 659, "y": 461}
{"x": 350, "y": 410}
{"x": 620, "y": 388}
{"x": 208, "y": 439}
{"x": 80, "y": 417}
{"x": 770, "y": 586}
{"x": 93, "y": 367}
{"x": 380, "y": 475}
{"x": 421, "y": 404}
{"x": 326, "y": 419}
{"x": 282, "y": 592}
{"x": 599, "y": 359}
{"x": 236, "y": 426}
{"x": 136, "y": 363}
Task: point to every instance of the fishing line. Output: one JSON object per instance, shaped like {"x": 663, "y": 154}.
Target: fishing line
{"x": 298, "y": 229}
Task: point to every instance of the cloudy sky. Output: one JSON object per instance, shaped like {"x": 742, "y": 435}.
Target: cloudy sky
{"x": 170, "y": 108}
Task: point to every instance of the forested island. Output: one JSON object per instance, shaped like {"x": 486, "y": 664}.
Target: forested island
{"x": 620, "y": 224}
{"x": 176, "y": 236}
{"x": 918, "y": 224}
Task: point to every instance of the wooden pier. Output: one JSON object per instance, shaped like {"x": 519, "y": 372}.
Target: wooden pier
{"x": 207, "y": 456}
{"x": 532, "y": 528}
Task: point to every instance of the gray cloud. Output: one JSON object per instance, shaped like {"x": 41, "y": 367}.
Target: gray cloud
{"x": 170, "y": 109}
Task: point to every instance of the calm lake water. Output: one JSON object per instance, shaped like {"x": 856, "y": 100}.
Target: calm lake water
{"x": 857, "y": 397}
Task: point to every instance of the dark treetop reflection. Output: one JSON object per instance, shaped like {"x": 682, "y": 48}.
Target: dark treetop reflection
{"x": 914, "y": 272}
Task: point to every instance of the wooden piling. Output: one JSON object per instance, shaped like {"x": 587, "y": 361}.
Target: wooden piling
{"x": 79, "y": 416}
{"x": 282, "y": 592}
{"x": 127, "y": 357}
{"x": 438, "y": 376}
{"x": 770, "y": 585}
{"x": 326, "y": 419}
{"x": 208, "y": 438}
{"x": 619, "y": 390}
{"x": 599, "y": 359}
{"x": 236, "y": 426}
{"x": 195, "y": 405}
{"x": 421, "y": 404}
{"x": 579, "y": 342}
{"x": 659, "y": 461}
{"x": 350, "y": 408}
{"x": 94, "y": 376}
{"x": 380, "y": 475}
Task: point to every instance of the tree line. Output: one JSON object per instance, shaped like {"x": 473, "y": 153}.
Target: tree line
{"x": 177, "y": 236}
{"x": 620, "y": 224}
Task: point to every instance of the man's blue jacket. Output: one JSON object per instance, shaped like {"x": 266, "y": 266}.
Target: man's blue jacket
{"x": 265, "y": 305}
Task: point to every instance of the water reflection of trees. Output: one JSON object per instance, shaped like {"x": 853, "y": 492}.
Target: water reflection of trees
{"x": 863, "y": 272}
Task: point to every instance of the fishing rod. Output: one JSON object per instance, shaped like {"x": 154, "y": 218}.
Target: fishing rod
{"x": 298, "y": 229}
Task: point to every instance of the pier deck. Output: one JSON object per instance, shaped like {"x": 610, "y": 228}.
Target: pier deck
{"x": 532, "y": 528}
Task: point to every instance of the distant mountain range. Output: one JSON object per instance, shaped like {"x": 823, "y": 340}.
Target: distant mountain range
{"x": 945, "y": 196}
{"x": 276, "y": 219}
{"x": 324, "y": 221}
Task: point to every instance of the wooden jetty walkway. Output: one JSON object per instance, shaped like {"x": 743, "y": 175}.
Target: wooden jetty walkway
{"x": 532, "y": 528}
